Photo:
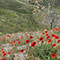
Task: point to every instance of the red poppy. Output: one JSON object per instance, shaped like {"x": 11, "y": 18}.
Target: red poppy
{"x": 3, "y": 59}
{"x": 27, "y": 36}
{"x": 53, "y": 30}
{"x": 54, "y": 44}
{"x": 49, "y": 41}
{"x": 29, "y": 33}
{"x": 17, "y": 39}
{"x": 53, "y": 55}
{"x": 4, "y": 54}
{"x": 59, "y": 30}
{"x": 42, "y": 41}
{"x": 22, "y": 51}
{"x": 18, "y": 42}
{"x": 46, "y": 31}
{"x": 47, "y": 34}
{"x": 58, "y": 41}
{"x": 31, "y": 37}
{"x": 43, "y": 33}
{"x": 48, "y": 37}
{"x": 56, "y": 37}
{"x": 41, "y": 38}
{"x": 22, "y": 37}
{"x": 14, "y": 42}
{"x": 58, "y": 27}
{"x": 25, "y": 33}
{"x": 10, "y": 42}
{"x": 33, "y": 44}
{"x": 9, "y": 53}
{"x": 27, "y": 41}
{"x": 15, "y": 45}
{"x": 8, "y": 35}
{"x": 53, "y": 35}
{"x": 0, "y": 50}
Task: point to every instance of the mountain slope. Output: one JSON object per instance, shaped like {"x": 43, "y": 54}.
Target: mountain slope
{"x": 16, "y": 16}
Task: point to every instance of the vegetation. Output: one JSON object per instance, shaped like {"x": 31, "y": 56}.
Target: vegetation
{"x": 29, "y": 29}
{"x": 37, "y": 45}
{"x": 21, "y": 17}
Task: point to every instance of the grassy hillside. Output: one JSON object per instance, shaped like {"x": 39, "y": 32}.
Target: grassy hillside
{"x": 15, "y": 17}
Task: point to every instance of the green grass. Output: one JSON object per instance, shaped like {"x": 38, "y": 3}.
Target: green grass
{"x": 11, "y": 21}
{"x": 17, "y": 17}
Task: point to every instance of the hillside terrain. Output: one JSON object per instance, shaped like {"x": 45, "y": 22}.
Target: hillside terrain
{"x": 18, "y": 17}
{"x": 29, "y": 29}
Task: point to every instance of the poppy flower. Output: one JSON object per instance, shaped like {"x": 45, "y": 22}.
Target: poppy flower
{"x": 31, "y": 37}
{"x": 4, "y": 54}
{"x": 22, "y": 37}
{"x": 58, "y": 27}
{"x": 46, "y": 31}
{"x": 14, "y": 42}
{"x": 53, "y": 30}
{"x": 49, "y": 41}
{"x": 41, "y": 38}
{"x": 58, "y": 41}
{"x": 18, "y": 42}
{"x": 56, "y": 37}
{"x": 11, "y": 40}
{"x": 25, "y": 33}
{"x": 17, "y": 39}
{"x": 53, "y": 35}
{"x": 27, "y": 41}
{"x": 47, "y": 34}
{"x": 27, "y": 36}
{"x": 53, "y": 55}
{"x": 33, "y": 44}
{"x": 9, "y": 53}
{"x": 43, "y": 33}
{"x": 22, "y": 51}
{"x": 3, "y": 59}
{"x": 0, "y": 50}
{"x": 54, "y": 44}
{"x": 42, "y": 41}
{"x": 29, "y": 33}
{"x": 8, "y": 35}
{"x": 48, "y": 37}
